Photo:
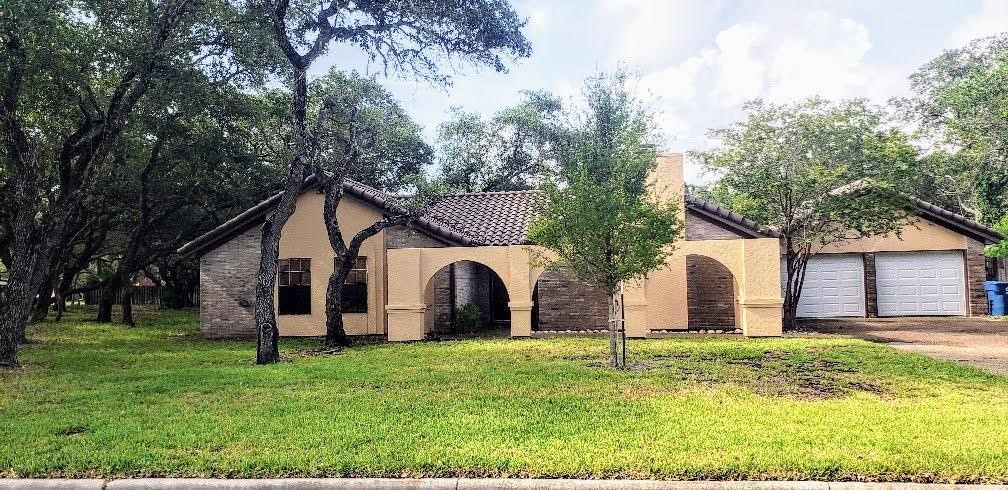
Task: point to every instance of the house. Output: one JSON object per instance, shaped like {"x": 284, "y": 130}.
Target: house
{"x": 470, "y": 249}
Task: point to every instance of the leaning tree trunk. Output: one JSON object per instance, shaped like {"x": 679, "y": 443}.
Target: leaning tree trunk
{"x": 336, "y": 336}
{"x": 44, "y": 301}
{"x": 16, "y": 308}
{"x": 24, "y": 280}
{"x": 267, "y": 333}
{"x": 127, "y": 306}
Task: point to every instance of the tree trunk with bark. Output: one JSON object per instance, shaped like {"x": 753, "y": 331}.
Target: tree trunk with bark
{"x": 267, "y": 333}
{"x": 346, "y": 254}
{"x": 336, "y": 336}
{"x": 127, "y": 305}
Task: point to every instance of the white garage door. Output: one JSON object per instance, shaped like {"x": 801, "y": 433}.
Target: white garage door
{"x": 920, "y": 283}
{"x": 834, "y": 286}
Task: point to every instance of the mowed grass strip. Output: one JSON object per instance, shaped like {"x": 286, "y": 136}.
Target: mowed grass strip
{"x": 105, "y": 400}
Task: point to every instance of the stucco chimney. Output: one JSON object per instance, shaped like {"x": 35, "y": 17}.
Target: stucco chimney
{"x": 668, "y": 176}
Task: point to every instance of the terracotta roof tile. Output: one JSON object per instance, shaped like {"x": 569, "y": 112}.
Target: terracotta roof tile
{"x": 488, "y": 218}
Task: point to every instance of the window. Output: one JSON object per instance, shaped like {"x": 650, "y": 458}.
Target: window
{"x": 294, "y": 290}
{"x": 355, "y": 289}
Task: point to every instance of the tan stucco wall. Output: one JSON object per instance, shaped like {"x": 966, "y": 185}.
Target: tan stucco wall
{"x": 304, "y": 236}
{"x": 755, "y": 265}
{"x": 664, "y": 291}
{"x": 412, "y": 269}
{"x": 919, "y": 235}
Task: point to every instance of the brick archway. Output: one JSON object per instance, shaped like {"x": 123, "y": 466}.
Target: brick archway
{"x": 410, "y": 308}
{"x": 462, "y": 283}
{"x": 711, "y": 293}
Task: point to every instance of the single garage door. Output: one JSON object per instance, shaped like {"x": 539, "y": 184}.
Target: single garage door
{"x": 834, "y": 286}
{"x": 920, "y": 283}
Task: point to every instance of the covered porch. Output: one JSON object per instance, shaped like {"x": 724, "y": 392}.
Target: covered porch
{"x": 501, "y": 282}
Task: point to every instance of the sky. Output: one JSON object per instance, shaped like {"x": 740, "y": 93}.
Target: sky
{"x": 699, "y": 61}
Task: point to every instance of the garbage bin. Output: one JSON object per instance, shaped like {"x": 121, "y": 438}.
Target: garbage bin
{"x": 997, "y": 296}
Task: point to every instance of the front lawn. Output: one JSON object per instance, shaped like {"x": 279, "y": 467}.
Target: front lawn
{"x": 99, "y": 400}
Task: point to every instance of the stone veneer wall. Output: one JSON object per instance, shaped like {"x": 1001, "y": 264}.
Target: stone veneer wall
{"x": 228, "y": 276}
{"x": 406, "y": 237}
{"x": 564, "y": 303}
{"x": 976, "y": 274}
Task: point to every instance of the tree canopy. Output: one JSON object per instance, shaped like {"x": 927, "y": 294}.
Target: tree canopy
{"x": 600, "y": 216}
{"x": 510, "y": 150}
{"x": 389, "y": 150}
{"x": 960, "y": 100}
{"x": 820, "y": 172}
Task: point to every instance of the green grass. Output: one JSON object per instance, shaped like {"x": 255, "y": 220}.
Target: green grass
{"x": 100, "y": 400}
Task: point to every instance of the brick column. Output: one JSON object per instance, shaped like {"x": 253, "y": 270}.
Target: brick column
{"x": 976, "y": 274}
{"x": 871, "y": 293}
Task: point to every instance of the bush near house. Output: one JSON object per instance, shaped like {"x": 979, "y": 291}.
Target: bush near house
{"x": 102, "y": 400}
{"x": 468, "y": 318}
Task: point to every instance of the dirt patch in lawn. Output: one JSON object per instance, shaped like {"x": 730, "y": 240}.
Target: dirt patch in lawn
{"x": 805, "y": 375}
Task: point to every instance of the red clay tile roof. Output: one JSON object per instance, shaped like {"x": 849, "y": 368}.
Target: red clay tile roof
{"x": 488, "y": 218}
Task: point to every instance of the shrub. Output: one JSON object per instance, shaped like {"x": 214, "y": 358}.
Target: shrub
{"x": 468, "y": 318}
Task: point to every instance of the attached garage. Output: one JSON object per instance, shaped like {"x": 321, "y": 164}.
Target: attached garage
{"x": 921, "y": 283}
{"x": 833, "y": 287}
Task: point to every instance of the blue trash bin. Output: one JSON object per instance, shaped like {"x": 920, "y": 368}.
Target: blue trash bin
{"x": 997, "y": 297}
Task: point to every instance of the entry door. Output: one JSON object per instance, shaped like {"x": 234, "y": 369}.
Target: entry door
{"x": 920, "y": 283}
{"x": 834, "y": 286}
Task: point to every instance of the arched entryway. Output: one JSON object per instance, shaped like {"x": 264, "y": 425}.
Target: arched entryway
{"x": 710, "y": 294}
{"x": 460, "y": 289}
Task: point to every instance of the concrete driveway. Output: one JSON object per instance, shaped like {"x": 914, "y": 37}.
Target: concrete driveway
{"x": 978, "y": 341}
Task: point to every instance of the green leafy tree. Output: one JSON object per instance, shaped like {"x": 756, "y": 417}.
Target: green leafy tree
{"x": 821, "y": 173}
{"x": 960, "y": 101}
{"x": 392, "y": 150}
{"x": 73, "y": 73}
{"x": 511, "y": 150}
{"x": 600, "y": 217}
{"x": 409, "y": 37}
{"x": 999, "y": 250}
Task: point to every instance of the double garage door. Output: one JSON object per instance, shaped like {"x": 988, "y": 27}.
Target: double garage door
{"x": 912, "y": 283}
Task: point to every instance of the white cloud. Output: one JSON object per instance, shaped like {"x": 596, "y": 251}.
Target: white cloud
{"x": 644, "y": 31}
{"x": 782, "y": 59}
{"x": 992, "y": 18}
{"x": 676, "y": 82}
{"x": 540, "y": 18}
{"x": 741, "y": 69}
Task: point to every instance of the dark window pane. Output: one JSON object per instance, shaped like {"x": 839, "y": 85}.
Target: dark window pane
{"x": 306, "y": 278}
{"x": 284, "y": 279}
{"x": 294, "y": 300}
{"x": 355, "y": 298}
{"x": 283, "y": 265}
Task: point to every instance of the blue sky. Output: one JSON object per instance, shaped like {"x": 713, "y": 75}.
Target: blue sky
{"x": 700, "y": 60}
